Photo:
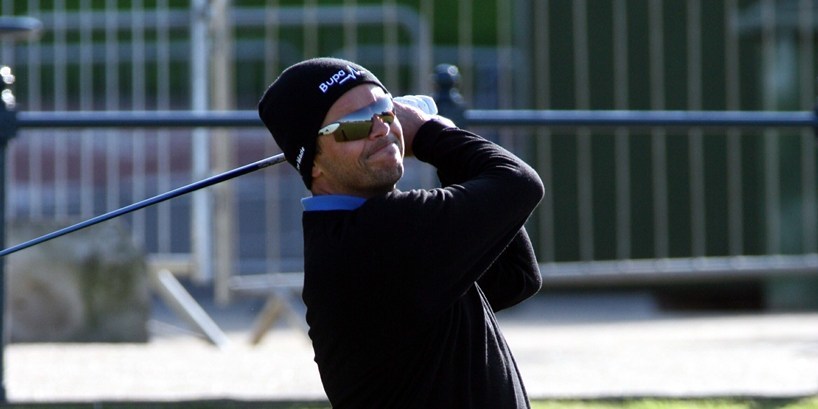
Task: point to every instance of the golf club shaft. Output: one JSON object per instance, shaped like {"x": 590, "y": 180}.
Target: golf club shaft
{"x": 243, "y": 170}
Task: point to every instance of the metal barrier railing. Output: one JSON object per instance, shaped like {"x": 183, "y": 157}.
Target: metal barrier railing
{"x": 642, "y": 119}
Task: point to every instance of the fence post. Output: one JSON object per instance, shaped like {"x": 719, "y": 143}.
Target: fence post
{"x": 448, "y": 99}
{"x": 8, "y": 130}
{"x": 11, "y": 28}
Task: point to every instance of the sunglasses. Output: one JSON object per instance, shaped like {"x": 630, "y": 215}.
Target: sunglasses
{"x": 358, "y": 125}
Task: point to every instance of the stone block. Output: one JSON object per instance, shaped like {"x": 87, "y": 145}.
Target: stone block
{"x": 87, "y": 286}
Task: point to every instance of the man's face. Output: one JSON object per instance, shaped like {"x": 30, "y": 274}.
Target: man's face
{"x": 364, "y": 167}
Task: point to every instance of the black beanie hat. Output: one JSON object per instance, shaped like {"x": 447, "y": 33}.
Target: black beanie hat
{"x": 294, "y": 106}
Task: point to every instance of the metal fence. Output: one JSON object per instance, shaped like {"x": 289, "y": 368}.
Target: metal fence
{"x": 621, "y": 202}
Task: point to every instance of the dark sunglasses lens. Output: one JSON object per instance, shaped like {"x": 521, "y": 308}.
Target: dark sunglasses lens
{"x": 352, "y": 131}
{"x": 387, "y": 117}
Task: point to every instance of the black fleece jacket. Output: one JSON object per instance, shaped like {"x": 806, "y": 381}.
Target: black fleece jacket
{"x": 401, "y": 292}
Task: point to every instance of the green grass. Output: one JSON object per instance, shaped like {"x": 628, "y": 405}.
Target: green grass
{"x": 809, "y": 403}
{"x": 806, "y": 403}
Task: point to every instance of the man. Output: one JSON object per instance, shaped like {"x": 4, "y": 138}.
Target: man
{"x": 401, "y": 288}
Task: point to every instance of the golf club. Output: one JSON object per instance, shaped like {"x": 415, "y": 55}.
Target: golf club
{"x": 242, "y": 170}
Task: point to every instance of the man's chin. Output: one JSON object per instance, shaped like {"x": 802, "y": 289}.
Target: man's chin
{"x": 387, "y": 180}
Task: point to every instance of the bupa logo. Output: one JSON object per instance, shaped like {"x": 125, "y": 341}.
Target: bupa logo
{"x": 339, "y": 77}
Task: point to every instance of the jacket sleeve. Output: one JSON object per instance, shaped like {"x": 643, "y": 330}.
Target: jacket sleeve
{"x": 514, "y": 276}
{"x": 473, "y": 224}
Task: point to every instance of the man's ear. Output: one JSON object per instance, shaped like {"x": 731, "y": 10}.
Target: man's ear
{"x": 318, "y": 179}
{"x": 316, "y": 170}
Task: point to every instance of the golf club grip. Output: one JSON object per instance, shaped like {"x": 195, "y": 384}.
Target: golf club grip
{"x": 230, "y": 174}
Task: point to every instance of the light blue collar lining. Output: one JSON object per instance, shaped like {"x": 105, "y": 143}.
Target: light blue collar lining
{"x": 331, "y": 202}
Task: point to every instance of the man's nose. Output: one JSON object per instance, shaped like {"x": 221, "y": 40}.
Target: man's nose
{"x": 379, "y": 127}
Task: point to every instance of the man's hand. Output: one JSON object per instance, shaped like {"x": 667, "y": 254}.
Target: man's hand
{"x": 412, "y": 112}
